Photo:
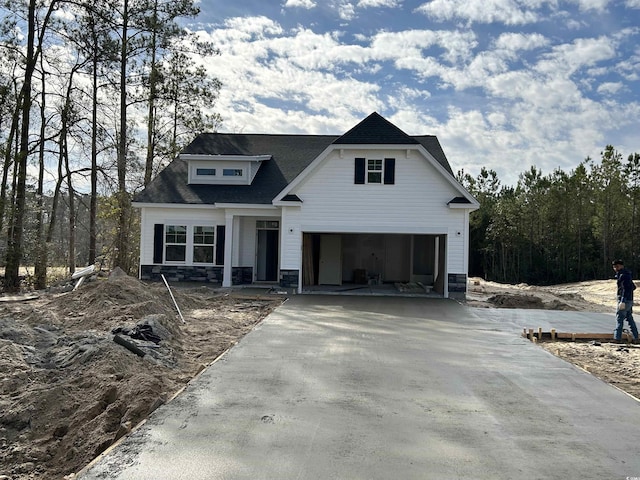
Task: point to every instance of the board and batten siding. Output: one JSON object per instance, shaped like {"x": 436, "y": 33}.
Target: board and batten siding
{"x": 172, "y": 216}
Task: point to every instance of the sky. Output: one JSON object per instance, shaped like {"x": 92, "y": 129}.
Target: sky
{"x": 503, "y": 84}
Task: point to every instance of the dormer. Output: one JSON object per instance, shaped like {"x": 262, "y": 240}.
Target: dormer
{"x": 222, "y": 169}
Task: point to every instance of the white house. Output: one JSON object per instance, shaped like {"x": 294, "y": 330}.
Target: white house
{"x": 373, "y": 206}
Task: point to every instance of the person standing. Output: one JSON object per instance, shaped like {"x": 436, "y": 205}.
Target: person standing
{"x": 625, "y": 301}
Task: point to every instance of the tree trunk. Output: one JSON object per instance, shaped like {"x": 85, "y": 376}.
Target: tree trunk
{"x": 153, "y": 85}
{"x": 40, "y": 266}
{"x": 122, "y": 239}
{"x": 93, "y": 205}
{"x": 16, "y": 219}
{"x": 64, "y": 158}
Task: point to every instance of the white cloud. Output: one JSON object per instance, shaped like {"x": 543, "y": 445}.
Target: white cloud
{"x": 346, "y": 10}
{"x": 520, "y": 41}
{"x": 308, "y": 4}
{"x": 411, "y": 46}
{"x": 629, "y": 69}
{"x": 245, "y": 28}
{"x": 378, "y": 3}
{"x": 610, "y": 88}
{"x": 632, "y": 3}
{"x": 593, "y": 5}
{"x": 569, "y": 58}
{"x": 509, "y": 12}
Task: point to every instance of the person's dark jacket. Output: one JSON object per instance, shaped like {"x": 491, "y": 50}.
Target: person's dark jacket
{"x": 625, "y": 285}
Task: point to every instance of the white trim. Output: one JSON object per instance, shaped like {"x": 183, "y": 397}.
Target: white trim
{"x": 189, "y": 244}
{"x": 262, "y": 206}
{"x": 283, "y": 203}
{"x": 209, "y": 206}
{"x": 410, "y": 230}
{"x": 190, "y": 206}
{"x": 464, "y": 206}
{"x": 368, "y": 171}
{"x": 217, "y": 158}
{"x": 228, "y": 249}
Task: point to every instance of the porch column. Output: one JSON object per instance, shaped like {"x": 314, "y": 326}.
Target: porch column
{"x": 227, "y": 279}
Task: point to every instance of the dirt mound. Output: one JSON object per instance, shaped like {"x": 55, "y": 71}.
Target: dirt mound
{"x": 507, "y": 300}
{"x": 68, "y": 391}
{"x": 595, "y": 296}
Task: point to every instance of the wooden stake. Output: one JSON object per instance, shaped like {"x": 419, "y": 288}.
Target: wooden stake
{"x": 173, "y": 298}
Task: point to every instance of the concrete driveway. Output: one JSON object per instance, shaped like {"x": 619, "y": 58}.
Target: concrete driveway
{"x": 334, "y": 387}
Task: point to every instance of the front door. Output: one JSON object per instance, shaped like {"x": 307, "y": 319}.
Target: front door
{"x": 267, "y": 251}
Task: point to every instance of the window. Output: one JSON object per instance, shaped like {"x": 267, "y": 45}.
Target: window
{"x": 232, "y": 172}
{"x": 175, "y": 240}
{"x": 205, "y": 171}
{"x": 203, "y": 239}
{"x": 374, "y": 171}
{"x": 268, "y": 224}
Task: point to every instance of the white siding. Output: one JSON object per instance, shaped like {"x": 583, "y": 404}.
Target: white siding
{"x": 416, "y": 203}
{"x": 456, "y": 248}
{"x": 172, "y": 216}
{"x": 247, "y": 247}
{"x": 291, "y": 236}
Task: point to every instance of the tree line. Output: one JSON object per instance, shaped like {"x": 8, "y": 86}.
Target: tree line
{"x": 557, "y": 228}
{"x": 95, "y": 98}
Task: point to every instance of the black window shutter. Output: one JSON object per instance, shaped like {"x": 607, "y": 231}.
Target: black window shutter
{"x": 360, "y": 171}
{"x": 389, "y": 171}
{"x": 158, "y": 242}
{"x": 220, "y": 245}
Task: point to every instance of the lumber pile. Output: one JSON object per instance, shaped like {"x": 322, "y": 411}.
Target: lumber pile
{"x": 536, "y": 335}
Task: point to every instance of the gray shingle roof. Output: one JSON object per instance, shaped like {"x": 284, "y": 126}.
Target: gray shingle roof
{"x": 375, "y": 130}
{"x": 290, "y": 155}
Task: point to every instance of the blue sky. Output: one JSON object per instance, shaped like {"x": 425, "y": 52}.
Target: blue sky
{"x": 504, "y": 84}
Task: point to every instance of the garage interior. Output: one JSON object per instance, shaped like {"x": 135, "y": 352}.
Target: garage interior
{"x": 404, "y": 263}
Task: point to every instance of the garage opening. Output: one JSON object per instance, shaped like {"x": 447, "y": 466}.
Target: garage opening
{"x": 340, "y": 261}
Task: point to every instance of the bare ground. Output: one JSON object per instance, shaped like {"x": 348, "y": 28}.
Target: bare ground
{"x": 616, "y": 364}
{"x": 68, "y": 391}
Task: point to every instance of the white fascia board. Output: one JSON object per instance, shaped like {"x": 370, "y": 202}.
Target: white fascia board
{"x": 250, "y": 210}
{"x": 188, "y": 206}
{"x": 286, "y": 204}
{"x": 234, "y": 158}
{"x": 254, "y": 206}
{"x": 465, "y": 206}
{"x": 235, "y": 208}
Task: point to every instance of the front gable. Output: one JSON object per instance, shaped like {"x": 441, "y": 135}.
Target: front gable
{"x": 371, "y": 154}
